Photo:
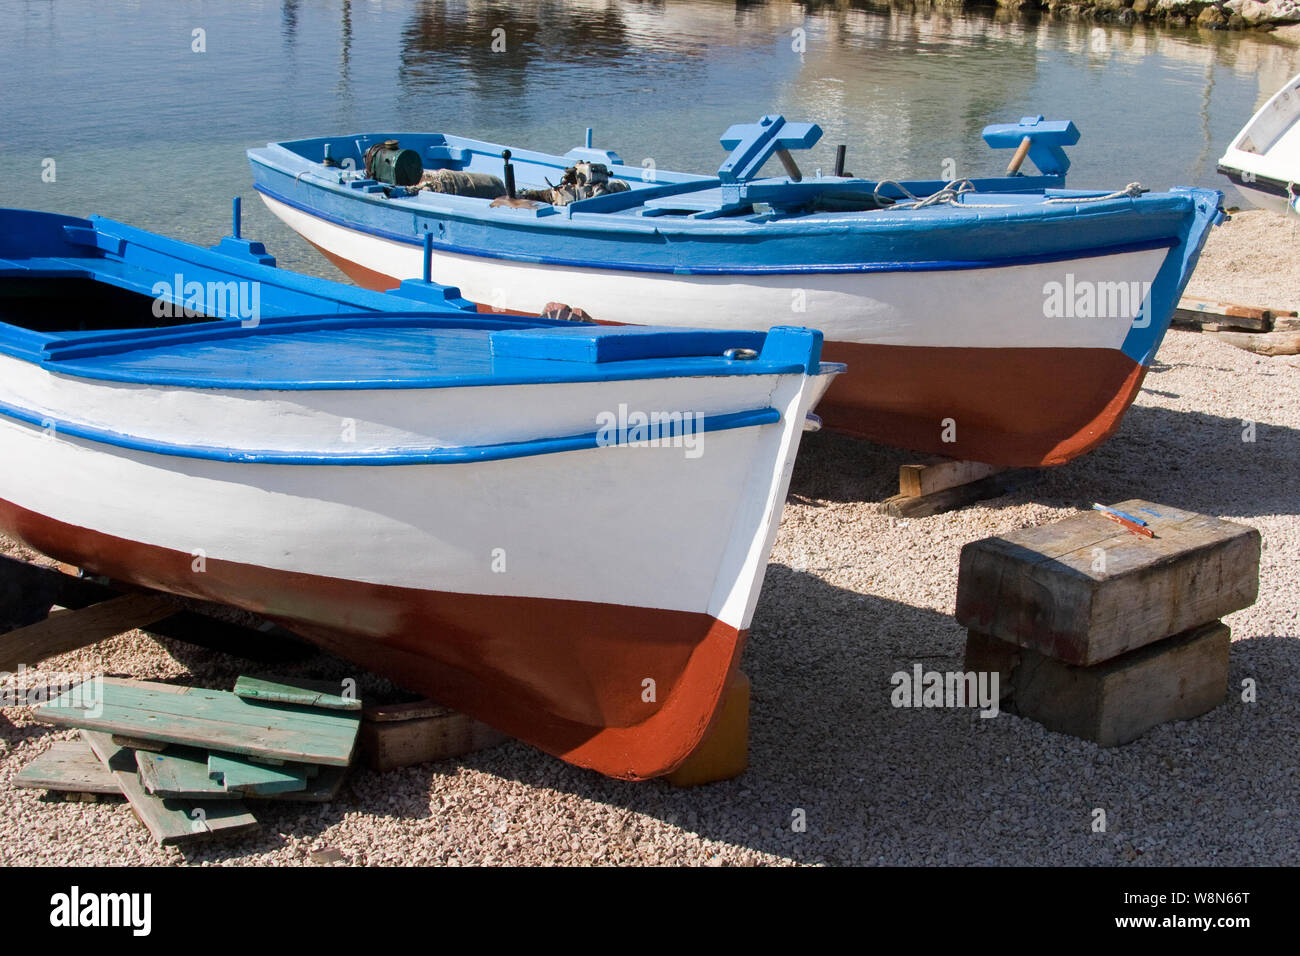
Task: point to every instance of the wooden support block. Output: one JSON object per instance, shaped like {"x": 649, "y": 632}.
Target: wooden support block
{"x": 169, "y": 821}
{"x": 69, "y": 765}
{"x": 988, "y": 655}
{"x": 1200, "y": 313}
{"x": 724, "y": 751}
{"x": 940, "y": 474}
{"x": 66, "y": 630}
{"x": 958, "y": 496}
{"x": 1084, "y": 589}
{"x": 211, "y": 719}
{"x": 1118, "y": 700}
{"x": 401, "y": 735}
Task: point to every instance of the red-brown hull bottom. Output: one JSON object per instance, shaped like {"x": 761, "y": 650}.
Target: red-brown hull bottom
{"x": 1020, "y": 407}
{"x": 568, "y": 677}
{"x": 1015, "y": 406}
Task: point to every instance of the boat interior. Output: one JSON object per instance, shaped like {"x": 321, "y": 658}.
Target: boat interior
{"x": 736, "y": 192}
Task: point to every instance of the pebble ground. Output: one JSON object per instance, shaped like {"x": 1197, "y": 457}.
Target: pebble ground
{"x": 851, "y": 597}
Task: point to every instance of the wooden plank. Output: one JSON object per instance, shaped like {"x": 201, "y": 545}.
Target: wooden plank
{"x": 402, "y": 735}
{"x": 213, "y": 719}
{"x": 1084, "y": 589}
{"x": 1198, "y": 313}
{"x": 1263, "y": 343}
{"x": 1118, "y": 700}
{"x": 246, "y": 776}
{"x": 181, "y": 772}
{"x": 923, "y": 506}
{"x": 940, "y": 474}
{"x": 66, "y": 630}
{"x": 28, "y": 591}
{"x": 169, "y": 821}
{"x": 69, "y": 765}
{"x": 307, "y": 693}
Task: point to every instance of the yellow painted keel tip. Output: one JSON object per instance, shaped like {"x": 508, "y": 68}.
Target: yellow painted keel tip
{"x": 724, "y": 751}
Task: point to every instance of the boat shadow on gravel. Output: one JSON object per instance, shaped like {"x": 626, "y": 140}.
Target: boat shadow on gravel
{"x": 1185, "y": 459}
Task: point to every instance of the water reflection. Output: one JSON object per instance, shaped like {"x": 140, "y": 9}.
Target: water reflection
{"x": 905, "y": 88}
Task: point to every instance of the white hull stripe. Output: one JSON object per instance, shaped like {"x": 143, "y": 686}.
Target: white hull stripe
{"x": 1004, "y": 307}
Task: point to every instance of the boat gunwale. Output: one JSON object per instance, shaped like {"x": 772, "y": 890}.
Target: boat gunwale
{"x": 428, "y": 455}
{"x": 1168, "y": 242}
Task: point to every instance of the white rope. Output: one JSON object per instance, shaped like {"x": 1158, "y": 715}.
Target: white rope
{"x": 1131, "y": 191}
{"x": 951, "y": 194}
{"x": 948, "y": 194}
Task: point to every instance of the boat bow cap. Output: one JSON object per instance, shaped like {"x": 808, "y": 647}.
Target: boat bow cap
{"x": 600, "y": 344}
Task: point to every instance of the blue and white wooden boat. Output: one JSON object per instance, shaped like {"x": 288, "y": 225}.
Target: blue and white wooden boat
{"x": 1005, "y": 319}
{"x": 525, "y": 519}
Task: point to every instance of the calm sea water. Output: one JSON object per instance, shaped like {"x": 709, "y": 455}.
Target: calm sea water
{"x": 143, "y": 127}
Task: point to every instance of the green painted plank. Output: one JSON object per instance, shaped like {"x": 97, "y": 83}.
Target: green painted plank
{"x": 308, "y": 693}
{"x": 180, "y": 772}
{"x": 169, "y": 821}
{"x": 68, "y": 765}
{"x": 213, "y": 719}
{"x": 247, "y": 776}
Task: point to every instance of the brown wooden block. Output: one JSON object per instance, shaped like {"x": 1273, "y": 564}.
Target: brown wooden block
{"x": 400, "y": 735}
{"x": 1084, "y": 589}
{"x": 1119, "y": 700}
{"x": 724, "y": 751}
{"x": 988, "y": 655}
{"x": 954, "y": 496}
{"x": 940, "y": 474}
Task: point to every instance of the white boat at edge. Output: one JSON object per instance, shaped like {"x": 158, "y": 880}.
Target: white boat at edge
{"x": 1263, "y": 161}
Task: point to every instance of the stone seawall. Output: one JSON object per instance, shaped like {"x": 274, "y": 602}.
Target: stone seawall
{"x": 1229, "y": 15}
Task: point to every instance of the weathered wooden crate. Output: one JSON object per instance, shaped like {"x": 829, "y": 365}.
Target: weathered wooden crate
{"x": 401, "y": 735}
{"x": 1118, "y": 700}
{"x": 1086, "y": 590}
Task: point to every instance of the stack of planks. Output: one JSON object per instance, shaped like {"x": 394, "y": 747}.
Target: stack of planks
{"x": 186, "y": 758}
{"x": 1101, "y": 633}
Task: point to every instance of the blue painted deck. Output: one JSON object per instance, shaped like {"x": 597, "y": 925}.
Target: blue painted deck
{"x": 410, "y": 351}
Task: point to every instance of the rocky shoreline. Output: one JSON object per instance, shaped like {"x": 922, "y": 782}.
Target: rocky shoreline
{"x": 1229, "y": 15}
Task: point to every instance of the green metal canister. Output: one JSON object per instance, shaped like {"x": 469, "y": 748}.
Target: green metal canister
{"x": 389, "y": 163}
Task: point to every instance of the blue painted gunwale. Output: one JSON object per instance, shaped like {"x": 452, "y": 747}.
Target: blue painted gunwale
{"x": 598, "y": 234}
{"x": 432, "y": 455}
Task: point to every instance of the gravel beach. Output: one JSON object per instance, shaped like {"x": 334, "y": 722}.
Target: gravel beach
{"x": 851, "y": 597}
